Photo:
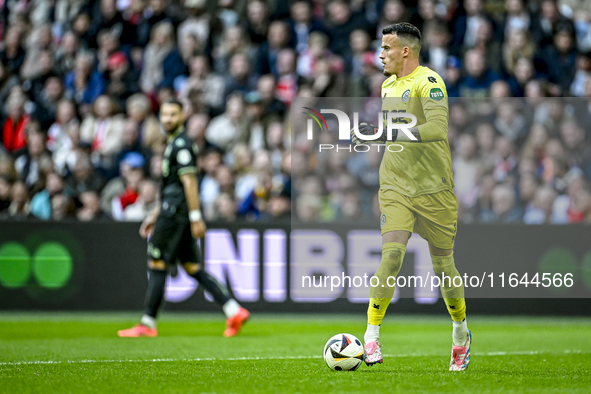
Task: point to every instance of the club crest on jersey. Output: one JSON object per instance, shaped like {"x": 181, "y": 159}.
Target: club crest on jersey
{"x": 436, "y": 94}
{"x": 383, "y": 221}
{"x": 183, "y": 157}
{"x": 405, "y": 95}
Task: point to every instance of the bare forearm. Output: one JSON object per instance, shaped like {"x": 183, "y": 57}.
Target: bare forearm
{"x": 191, "y": 191}
{"x": 155, "y": 212}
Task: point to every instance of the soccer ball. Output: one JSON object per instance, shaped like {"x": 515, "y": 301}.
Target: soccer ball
{"x": 343, "y": 352}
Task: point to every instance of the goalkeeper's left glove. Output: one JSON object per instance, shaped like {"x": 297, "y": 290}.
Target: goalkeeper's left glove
{"x": 370, "y": 130}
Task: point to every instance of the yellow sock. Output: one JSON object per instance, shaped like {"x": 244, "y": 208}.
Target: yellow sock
{"x": 452, "y": 295}
{"x": 380, "y": 297}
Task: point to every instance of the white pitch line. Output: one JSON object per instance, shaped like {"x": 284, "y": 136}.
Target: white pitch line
{"x": 160, "y": 360}
{"x": 156, "y": 360}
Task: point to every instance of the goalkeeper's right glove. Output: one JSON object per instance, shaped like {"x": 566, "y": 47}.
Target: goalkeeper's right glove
{"x": 370, "y": 130}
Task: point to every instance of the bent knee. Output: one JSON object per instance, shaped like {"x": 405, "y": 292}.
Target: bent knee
{"x": 435, "y": 251}
{"x": 392, "y": 261}
{"x": 393, "y": 255}
{"x": 443, "y": 264}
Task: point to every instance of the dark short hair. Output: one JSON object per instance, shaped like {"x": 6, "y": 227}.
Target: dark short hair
{"x": 174, "y": 101}
{"x": 404, "y": 30}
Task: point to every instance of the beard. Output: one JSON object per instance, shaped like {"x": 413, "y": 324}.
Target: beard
{"x": 386, "y": 73}
{"x": 173, "y": 128}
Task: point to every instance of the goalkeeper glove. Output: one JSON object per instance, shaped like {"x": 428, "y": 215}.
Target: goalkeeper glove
{"x": 370, "y": 130}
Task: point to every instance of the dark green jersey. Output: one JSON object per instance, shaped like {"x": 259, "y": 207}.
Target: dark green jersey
{"x": 179, "y": 159}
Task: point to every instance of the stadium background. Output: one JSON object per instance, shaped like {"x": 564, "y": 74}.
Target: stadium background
{"x": 80, "y": 83}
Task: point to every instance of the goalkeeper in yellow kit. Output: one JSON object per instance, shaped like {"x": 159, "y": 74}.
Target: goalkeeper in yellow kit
{"x": 416, "y": 186}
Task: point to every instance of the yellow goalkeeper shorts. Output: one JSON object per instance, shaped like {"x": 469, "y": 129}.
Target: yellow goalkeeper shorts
{"x": 432, "y": 216}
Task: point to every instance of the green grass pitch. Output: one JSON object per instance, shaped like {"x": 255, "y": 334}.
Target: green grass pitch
{"x": 79, "y": 353}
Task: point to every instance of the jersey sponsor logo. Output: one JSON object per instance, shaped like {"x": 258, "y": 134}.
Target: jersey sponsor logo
{"x": 436, "y": 94}
{"x": 432, "y": 80}
{"x": 405, "y": 95}
{"x": 183, "y": 157}
{"x": 383, "y": 221}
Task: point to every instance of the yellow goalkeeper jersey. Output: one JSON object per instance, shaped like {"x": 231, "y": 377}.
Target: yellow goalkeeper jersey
{"x": 420, "y": 167}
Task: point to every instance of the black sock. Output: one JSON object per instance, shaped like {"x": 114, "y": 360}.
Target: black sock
{"x": 218, "y": 291}
{"x": 155, "y": 294}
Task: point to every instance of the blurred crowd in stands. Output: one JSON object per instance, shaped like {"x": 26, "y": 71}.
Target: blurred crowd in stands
{"x": 81, "y": 82}
{"x": 515, "y": 160}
